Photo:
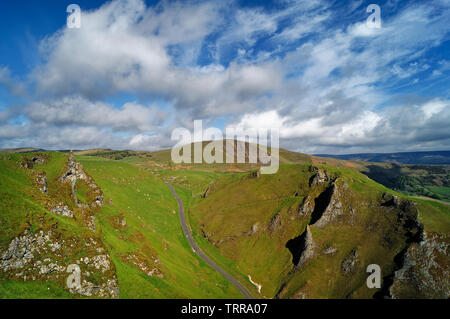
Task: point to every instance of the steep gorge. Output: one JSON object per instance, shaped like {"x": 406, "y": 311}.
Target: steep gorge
{"x": 345, "y": 223}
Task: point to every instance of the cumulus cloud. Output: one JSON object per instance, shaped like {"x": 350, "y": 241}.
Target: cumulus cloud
{"x": 408, "y": 125}
{"x": 328, "y": 83}
{"x": 124, "y": 46}
{"x": 12, "y": 86}
{"x": 76, "y": 110}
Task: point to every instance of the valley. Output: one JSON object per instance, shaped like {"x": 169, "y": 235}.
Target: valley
{"x": 308, "y": 231}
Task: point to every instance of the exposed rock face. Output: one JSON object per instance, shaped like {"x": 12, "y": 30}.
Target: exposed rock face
{"x": 150, "y": 269}
{"x": 43, "y": 256}
{"x": 320, "y": 178}
{"x": 275, "y": 223}
{"x": 307, "y": 207}
{"x": 308, "y": 248}
{"x": 20, "y": 251}
{"x": 99, "y": 200}
{"x": 390, "y": 200}
{"x": 91, "y": 223}
{"x": 330, "y": 251}
{"x": 35, "y": 160}
{"x": 333, "y": 209}
{"x": 62, "y": 210}
{"x": 74, "y": 173}
{"x": 254, "y": 230}
{"x": 350, "y": 262}
{"x": 109, "y": 289}
{"x": 41, "y": 182}
{"x": 302, "y": 248}
{"x": 80, "y": 174}
{"x": 71, "y": 173}
{"x": 425, "y": 272}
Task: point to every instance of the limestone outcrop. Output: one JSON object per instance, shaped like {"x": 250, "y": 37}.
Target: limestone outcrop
{"x": 333, "y": 209}
{"x": 307, "y": 207}
{"x": 321, "y": 177}
{"x": 350, "y": 262}
{"x": 42, "y": 256}
{"x": 308, "y": 248}
{"x": 425, "y": 272}
{"x": 41, "y": 181}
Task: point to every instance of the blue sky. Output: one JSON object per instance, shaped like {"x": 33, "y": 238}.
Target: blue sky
{"x": 136, "y": 70}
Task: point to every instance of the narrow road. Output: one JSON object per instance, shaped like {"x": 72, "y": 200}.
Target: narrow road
{"x": 198, "y": 251}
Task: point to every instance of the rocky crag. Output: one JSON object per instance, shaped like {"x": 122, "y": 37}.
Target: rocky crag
{"x": 323, "y": 233}
{"x": 44, "y": 251}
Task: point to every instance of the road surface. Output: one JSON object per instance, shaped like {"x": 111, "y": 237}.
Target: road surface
{"x": 198, "y": 251}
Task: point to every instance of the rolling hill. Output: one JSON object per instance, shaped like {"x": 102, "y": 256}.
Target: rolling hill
{"x": 308, "y": 231}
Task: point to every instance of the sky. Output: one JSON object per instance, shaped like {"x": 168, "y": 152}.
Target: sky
{"x": 135, "y": 70}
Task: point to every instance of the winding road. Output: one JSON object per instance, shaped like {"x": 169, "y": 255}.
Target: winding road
{"x": 198, "y": 251}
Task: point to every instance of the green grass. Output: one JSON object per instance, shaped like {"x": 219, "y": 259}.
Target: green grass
{"x": 22, "y": 202}
{"x": 153, "y": 229}
{"x": 23, "y": 206}
{"x": 435, "y": 216}
{"x": 140, "y": 218}
{"x": 442, "y": 191}
{"x": 242, "y": 202}
{"x": 212, "y": 252}
{"x": 228, "y": 213}
{"x": 32, "y": 290}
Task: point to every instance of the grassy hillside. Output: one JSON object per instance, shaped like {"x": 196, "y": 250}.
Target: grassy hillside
{"x": 37, "y": 245}
{"x": 254, "y": 221}
{"x": 137, "y": 228}
{"x": 308, "y": 231}
{"x": 432, "y": 181}
{"x": 141, "y": 219}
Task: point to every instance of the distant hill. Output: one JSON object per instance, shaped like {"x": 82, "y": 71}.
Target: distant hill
{"x": 436, "y": 157}
{"x": 20, "y": 150}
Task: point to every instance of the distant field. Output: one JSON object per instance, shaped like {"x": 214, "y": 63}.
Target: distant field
{"x": 437, "y": 157}
{"x": 423, "y": 180}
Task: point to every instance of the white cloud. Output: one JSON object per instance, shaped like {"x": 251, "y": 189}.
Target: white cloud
{"x": 434, "y": 107}
{"x": 76, "y": 110}
{"x": 324, "y": 92}
{"x": 13, "y": 86}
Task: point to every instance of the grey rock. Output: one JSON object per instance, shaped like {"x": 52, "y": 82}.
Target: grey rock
{"x": 330, "y": 251}
{"x": 99, "y": 200}
{"x": 42, "y": 182}
{"x": 350, "y": 262}
{"x": 333, "y": 209}
{"x": 62, "y": 210}
{"x": 321, "y": 177}
{"x": 34, "y": 161}
{"x": 308, "y": 248}
{"x": 307, "y": 207}
{"x": 425, "y": 272}
{"x": 253, "y": 230}
{"x": 275, "y": 222}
